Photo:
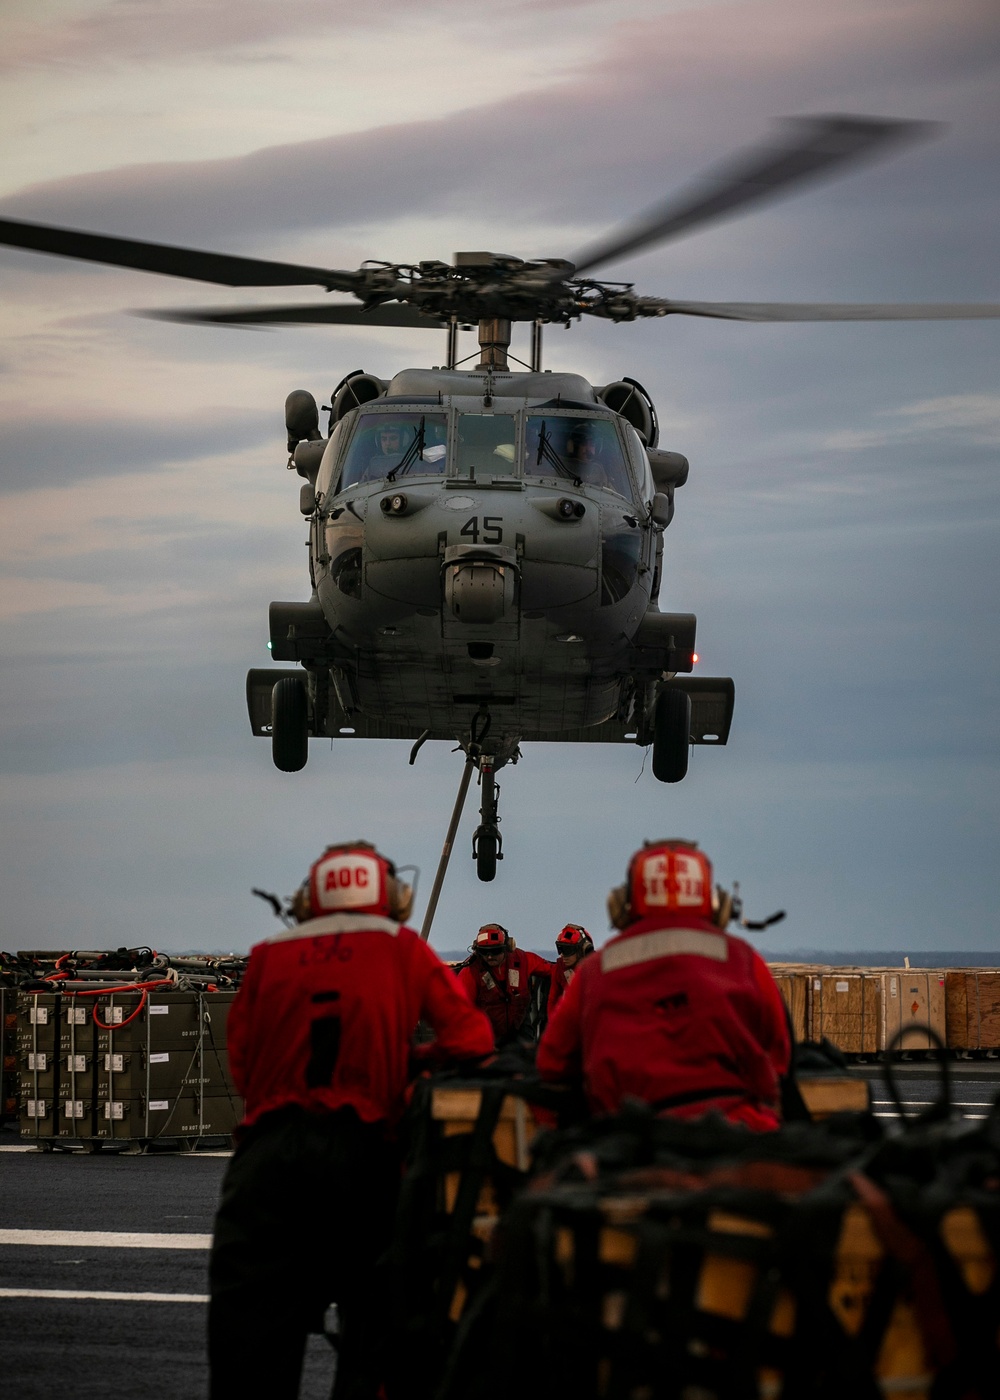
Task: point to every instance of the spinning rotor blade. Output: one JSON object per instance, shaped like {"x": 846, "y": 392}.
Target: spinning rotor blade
{"x": 817, "y": 311}
{"x": 814, "y": 146}
{"x": 388, "y": 314}
{"x": 226, "y": 269}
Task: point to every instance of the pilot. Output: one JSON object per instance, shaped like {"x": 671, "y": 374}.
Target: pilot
{"x": 498, "y": 977}
{"x": 673, "y": 1011}
{"x": 320, "y": 1038}
{"x": 390, "y": 445}
{"x": 572, "y": 946}
{"x": 583, "y": 454}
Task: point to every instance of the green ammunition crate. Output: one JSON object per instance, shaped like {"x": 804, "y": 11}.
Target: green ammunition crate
{"x": 157, "y": 1074}
{"x": 187, "y": 1114}
{"x": 8, "y": 1055}
{"x": 169, "y": 1021}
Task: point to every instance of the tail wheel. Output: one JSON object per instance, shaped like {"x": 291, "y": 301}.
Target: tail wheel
{"x": 671, "y": 735}
{"x": 289, "y": 724}
{"x": 487, "y": 846}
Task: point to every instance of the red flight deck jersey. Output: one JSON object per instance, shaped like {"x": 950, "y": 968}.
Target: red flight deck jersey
{"x": 504, "y": 991}
{"x": 326, "y": 1013}
{"x": 562, "y": 976}
{"x": 670, "y": 1008}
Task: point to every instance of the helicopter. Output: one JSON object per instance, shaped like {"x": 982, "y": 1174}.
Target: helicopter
{"x": 486, "y": 541}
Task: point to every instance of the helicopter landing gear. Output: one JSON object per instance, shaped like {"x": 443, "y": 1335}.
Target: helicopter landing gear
{"x": 289, "y": 724}
{"x": 487, "y": 843}
{"x": 671, "y": 735}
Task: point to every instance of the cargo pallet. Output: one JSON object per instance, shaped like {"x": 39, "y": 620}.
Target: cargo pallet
{"x": 125, "y": 1071}
{"x": 861, "y": 1010}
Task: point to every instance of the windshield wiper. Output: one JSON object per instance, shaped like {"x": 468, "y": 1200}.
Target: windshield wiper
{"x": 415, "y": 449}
{"x": 548, "y": 452}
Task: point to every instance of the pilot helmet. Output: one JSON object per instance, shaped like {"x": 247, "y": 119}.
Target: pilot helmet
{"x": 665, "y": 877}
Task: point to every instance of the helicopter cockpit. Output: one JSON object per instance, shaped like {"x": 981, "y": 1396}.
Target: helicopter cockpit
{"x": 388, "y": 445}
{"x": 546, "y": 445}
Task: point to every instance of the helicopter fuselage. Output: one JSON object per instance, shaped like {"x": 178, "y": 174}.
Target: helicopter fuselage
{"x": 487, "y": 543}
{"x": 478, "y": 541}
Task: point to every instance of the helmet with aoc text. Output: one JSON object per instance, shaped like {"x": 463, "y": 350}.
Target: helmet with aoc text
{"x": 574, "y": 941}
{"x": 353, "y": 878}
{"x": 665, "y": 877}
{"x": 491, "y": 940}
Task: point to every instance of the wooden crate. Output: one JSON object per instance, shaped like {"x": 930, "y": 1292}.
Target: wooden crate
{"x": 972, "y": 1008}
{"x": 824, "y": 1094}
{"x": 910, "y": 1000}
{"x": 793, "y": 984}
{"x": 845, "y": 1006}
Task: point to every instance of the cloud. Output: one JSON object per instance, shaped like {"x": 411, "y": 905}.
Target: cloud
{"x": 845, "y": 583}
{"x": 136, "y": 31}
{"x": 973, "y": 417}
{"x": 115, "y": 445}
{"x": 616, "y": 128}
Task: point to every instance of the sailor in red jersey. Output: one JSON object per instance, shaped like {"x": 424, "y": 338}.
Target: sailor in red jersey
{"x": 674, "y": 1011}
{"x": 573, "y": 945}
{"x": 320, "y": 1038}
{"x": 497, "y": 978}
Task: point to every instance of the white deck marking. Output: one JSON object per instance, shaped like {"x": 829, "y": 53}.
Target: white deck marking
{"x": 896, "y": 1114}
{"x": 926, "y": 1103}
{"x": 64, "y": 1293}
{"x": 104, "y": 1239}
{"x": 30, "y": 1147}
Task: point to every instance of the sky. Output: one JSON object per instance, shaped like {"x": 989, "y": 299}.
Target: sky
{"x": 837, "y": 538}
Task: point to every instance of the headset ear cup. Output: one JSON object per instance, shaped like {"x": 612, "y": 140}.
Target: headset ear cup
{"x": 618, "y": 906}
{"x": 301, "y": 904}
{"x": 400, "y": 900}
{"x": 723, "y": 911}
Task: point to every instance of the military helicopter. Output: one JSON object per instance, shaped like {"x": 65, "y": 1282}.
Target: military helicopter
{"x": 486, "y": 542}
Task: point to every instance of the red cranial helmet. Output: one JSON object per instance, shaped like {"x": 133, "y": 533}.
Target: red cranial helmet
{"x": 665, "y": 877}
{"x": 491, "y": 938}
{"x": 574, "y": 938}
{"x": 356, "y": 879}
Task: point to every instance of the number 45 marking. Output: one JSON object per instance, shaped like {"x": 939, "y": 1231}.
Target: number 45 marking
{"x": 492, "y": 529}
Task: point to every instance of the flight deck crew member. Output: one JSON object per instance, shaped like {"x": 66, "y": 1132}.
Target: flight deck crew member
{"x": 320, "y": 1036}
{"x": 674, "y": 1011}
{"x": 572, "y": 946}
{"x": 497, "y": 978}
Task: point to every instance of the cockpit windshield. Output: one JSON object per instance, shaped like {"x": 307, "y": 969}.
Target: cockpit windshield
{"x": 585, "y": 450}
{"x": 388, "y": 446}
{"x": 486, "y": 444}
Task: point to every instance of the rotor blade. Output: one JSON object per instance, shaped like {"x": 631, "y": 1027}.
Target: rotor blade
{"x": 813, "y": 147}
{"x": 223, "y": 268}
{"x": 388, "y": 314}
{"x": 817, "y": 311}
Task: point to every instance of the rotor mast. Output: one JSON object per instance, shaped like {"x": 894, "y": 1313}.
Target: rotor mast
{"x": 494, "y": 342}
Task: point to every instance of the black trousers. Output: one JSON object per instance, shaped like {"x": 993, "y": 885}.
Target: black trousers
{"x": 306, "y": 1212}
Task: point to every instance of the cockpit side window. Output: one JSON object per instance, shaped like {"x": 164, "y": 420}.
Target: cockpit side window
{"x": 583, "y": 449}
{"x": 389, "y": 446}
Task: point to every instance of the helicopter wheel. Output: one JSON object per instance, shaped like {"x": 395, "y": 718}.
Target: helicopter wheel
{"x": 671, "y": 735}
{"x": 289, "y": 725}
{"x": 487, "y": 846}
